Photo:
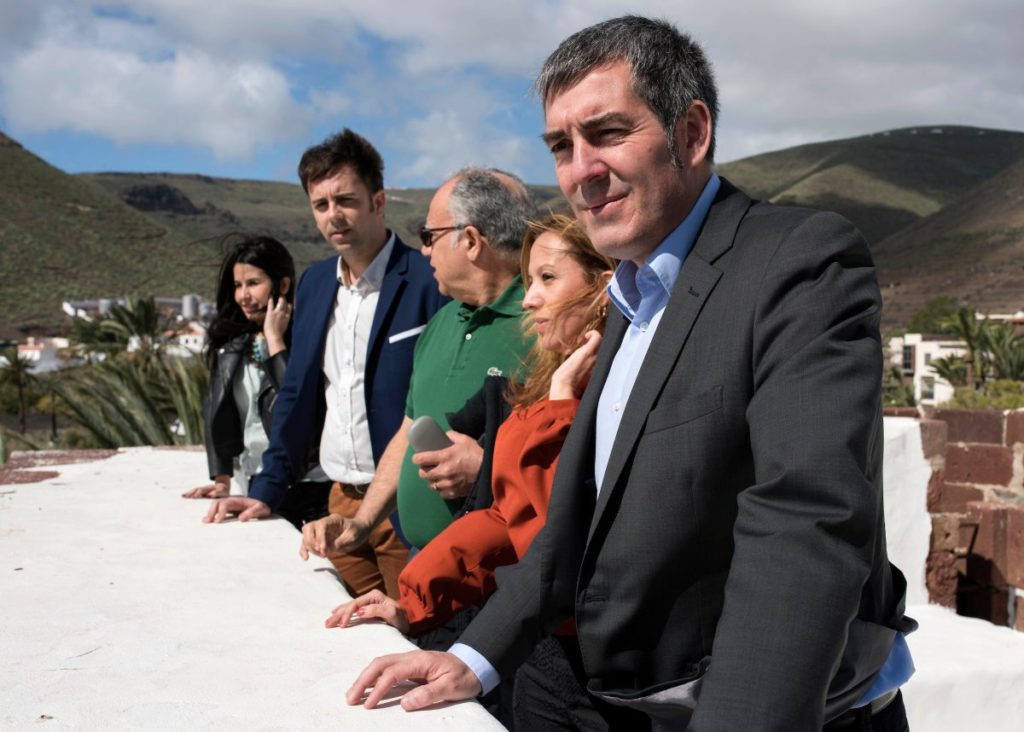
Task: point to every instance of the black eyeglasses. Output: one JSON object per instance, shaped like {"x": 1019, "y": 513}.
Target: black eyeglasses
{"x": 430, "y": 235}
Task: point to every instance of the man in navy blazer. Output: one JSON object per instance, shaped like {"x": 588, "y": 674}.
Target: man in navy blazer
{"x": 357, "y": 318}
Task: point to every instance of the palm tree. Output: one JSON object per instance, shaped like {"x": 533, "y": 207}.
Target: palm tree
{"x": 951, "y": 368}
{"x": 123, "y": 401}
{"x": 134, "y": 326}
{"x": 16, "y": 371}
{"x": 966, "y": 326}
{"x": 1005, "y": 352}
{"x": 48, "y": 401}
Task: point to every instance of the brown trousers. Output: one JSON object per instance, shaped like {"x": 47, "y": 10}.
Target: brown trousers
{"x": 377, "y": 563}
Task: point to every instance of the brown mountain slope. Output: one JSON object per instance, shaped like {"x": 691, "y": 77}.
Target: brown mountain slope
{"x": 885, "y": 181}
{"x": 972, "y": 249}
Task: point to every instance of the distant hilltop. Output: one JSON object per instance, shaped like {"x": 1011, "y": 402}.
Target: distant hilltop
{"x": 942, "y": 207}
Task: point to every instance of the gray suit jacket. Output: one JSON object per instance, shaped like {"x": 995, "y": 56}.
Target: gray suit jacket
{"x": 732, "y": 573}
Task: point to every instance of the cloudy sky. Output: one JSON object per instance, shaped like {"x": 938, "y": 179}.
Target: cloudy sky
{"x": 239, "y": 88}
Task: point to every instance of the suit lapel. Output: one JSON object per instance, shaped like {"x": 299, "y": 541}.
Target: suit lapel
{"x": 697, "y": 279}
{"x": 578, "y": 447}
{"x": 394, "y": 275}
{"x": 321, "y": 305}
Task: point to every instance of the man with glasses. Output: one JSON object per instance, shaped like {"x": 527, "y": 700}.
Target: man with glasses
{"x": 357, "y": 318}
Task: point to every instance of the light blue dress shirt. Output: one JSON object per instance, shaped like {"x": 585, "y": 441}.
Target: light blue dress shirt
{"x": 641, "y": 293}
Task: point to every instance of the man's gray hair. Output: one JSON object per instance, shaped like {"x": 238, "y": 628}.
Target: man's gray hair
{"x": 668, "y": 69}
{"x": 499, "y": 209}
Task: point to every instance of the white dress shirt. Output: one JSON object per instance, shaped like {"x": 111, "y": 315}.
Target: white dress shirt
{"x": 346, "y": 454}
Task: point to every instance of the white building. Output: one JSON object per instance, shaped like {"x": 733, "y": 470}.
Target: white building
{"x": 913, "y": 354}
{"x": 187, "y": 341}
{"x": 43, "y": 353}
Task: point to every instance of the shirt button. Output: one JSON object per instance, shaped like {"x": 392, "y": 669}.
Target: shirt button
{"x": 469, "y": 336}
{"x": 643, "y": 326}
{"x": 617, "y": 406}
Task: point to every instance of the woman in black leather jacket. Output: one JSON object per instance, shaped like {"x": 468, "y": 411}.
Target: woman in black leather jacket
{"x": 247, "y": 349}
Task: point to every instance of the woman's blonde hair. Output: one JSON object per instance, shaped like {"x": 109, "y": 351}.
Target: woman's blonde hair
{"x": 541, "y": 364}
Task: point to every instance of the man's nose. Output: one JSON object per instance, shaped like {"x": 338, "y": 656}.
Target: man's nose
{"x": 587, "y": 164}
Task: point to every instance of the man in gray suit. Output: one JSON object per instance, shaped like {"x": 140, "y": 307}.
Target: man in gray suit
{"x": 716, "y": 523}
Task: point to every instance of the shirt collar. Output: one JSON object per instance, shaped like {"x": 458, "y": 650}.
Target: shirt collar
{"x": 373, "y": 275}
{"x": 509, "y": 302}
{"x": 633, "y": 287}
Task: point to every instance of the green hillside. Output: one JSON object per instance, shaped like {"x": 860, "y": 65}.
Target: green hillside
{"x": 64, "y": 238}
{"x": 882, "y": 182}
{"x": 943, "y": 208}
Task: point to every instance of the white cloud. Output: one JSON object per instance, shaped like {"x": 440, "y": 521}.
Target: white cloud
{"x": 462, "y": 124}
{"x": 806, "y": 71}
{"x": 329, "y": 103}
{"x": 116, "y": 84}
{"x": 443, "y": 141}
{"x": 226, "y": 75}
{"x": 21, "y": 21}
{"x": 428, "y": 36}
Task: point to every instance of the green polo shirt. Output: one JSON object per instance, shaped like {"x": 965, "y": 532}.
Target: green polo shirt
{"x": 460, "y": 346}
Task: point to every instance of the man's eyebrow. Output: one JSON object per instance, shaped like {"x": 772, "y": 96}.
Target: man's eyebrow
{"x": 587, "y": 125}
{"x": 554, "y": 136}
{"x": 611, "y": 118}
{"x": 335, "y": 195}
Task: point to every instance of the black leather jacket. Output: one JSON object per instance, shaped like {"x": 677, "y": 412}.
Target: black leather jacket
{"x": 223, "y": 425}
{"x": 480, "y": 417}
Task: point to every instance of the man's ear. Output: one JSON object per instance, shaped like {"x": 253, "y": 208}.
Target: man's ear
{"x": 474, "y": 242}
{"x": 693, "y": 134}
{"x": 377, "y": 200}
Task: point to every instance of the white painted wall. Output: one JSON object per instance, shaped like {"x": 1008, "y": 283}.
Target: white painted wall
{"x": 121, "y": 610}
{"x": 970, "y": 673}
{"x": 908, "y": 528}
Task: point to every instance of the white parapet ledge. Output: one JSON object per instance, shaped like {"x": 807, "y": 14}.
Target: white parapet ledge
{"x": 120, "y": 609}
{"x": 969, "y": 672}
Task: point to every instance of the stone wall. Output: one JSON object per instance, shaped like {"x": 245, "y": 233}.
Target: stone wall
{"x": 976, "y": 500}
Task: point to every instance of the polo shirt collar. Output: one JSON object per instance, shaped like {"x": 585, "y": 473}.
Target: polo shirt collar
{"x": 509, "y": 302}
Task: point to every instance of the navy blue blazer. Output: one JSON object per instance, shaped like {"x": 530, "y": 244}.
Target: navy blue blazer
{"x": 408, "y": 298}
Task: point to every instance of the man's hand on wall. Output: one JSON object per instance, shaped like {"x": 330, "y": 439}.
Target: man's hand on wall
{"x": 243, "y": 508}
{"x": 332, "y": 534}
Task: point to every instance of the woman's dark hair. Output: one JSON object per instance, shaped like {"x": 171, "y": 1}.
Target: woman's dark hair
{"x": 268, "y": 254}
